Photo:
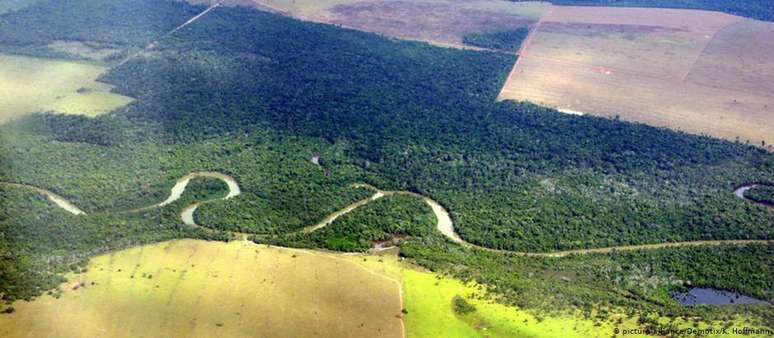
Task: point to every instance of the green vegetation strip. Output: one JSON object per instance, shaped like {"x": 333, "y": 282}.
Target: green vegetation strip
{"x": 761, "y": 193}
{"x": 509, "y": 41}
{"x": 443, "y": 222}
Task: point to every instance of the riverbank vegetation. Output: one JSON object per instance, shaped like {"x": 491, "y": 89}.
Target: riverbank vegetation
{"x": 259, "y": 96}
{"x": 385, "y": 222}
{"x": 761, "y": 194}
{"x": 602, "y": 284}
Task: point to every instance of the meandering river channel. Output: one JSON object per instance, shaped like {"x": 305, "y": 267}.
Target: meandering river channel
{"x": 444, "y": 225}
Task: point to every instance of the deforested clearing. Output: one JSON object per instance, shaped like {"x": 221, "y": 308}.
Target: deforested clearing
{"x": 29, "y": 85}
{"x": 440, "y": 22}
{"x": 666, "y": 67}
{"x": 190, "y": 288}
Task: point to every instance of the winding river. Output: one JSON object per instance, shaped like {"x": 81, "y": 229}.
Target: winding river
{"x": 444, "y": 223}
{"x": 174, "y": 194}
{"x": 179, "y": 188}
{"x": 739, "y": 192}
{"x": 52, "y": 196}
{"x": 187, "y": 214}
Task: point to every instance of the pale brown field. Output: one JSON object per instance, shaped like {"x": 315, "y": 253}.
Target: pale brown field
{"x": 691, "y": 20}
{"x": 440, "y": 22}
{"x": 697, "y": 71}
{"x": 432, "y": 21}
{"x": 189, "y": 288}
{"x": 739, "y": 58}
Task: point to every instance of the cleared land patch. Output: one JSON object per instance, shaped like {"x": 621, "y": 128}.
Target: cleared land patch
{"x": 698, "y": 71}
{"x": 441, "y": 22}
{"x": 35, "y": 85}
{"x": 738, "y": 58}
{"x": 208, "y": 289}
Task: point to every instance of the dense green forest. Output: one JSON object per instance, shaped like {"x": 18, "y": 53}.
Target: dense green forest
{"x": 761, "y": 194}
{"x": 409, "y": 128}
{"x": 509, "y": 41}
{"x": 257, "y": 96}
{"x": 135, "y": 23}
{"x": 756, "y": 9}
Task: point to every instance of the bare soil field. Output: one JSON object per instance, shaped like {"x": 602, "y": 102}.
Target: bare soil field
{"x": 441, "y": 22}
{"x": 692, "y": 20}
{"x": 739, "y": 58}
{"x": 444, "y": 22}
{"x": 697, "y": 71}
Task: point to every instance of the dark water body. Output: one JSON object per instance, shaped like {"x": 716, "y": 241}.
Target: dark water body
{"x": 710, "y": 296}
{"x": 739, "y": 192}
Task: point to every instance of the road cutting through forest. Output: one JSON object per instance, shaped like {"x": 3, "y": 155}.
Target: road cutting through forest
{"x": 444, "y": 224}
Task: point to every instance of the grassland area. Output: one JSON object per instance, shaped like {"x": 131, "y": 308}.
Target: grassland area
{"x": 429, "y": 299}
{"x": 30, "y": 85}
{"x": 697, "y": 71}
{"x": 208, "y": 289}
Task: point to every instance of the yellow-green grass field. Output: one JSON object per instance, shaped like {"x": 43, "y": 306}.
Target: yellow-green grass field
{"x": 190, "y": 288}
{"x": 429, "y": 298}
{"x": 30, "y": 85}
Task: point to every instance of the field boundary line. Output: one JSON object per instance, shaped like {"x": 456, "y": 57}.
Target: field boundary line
{"x": 155, "y": 42}
{"x": 704, "y": 48}
{"x": 522, "y": 49}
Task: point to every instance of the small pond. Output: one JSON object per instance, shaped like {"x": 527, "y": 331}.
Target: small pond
{"x": 710, "y": 296}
